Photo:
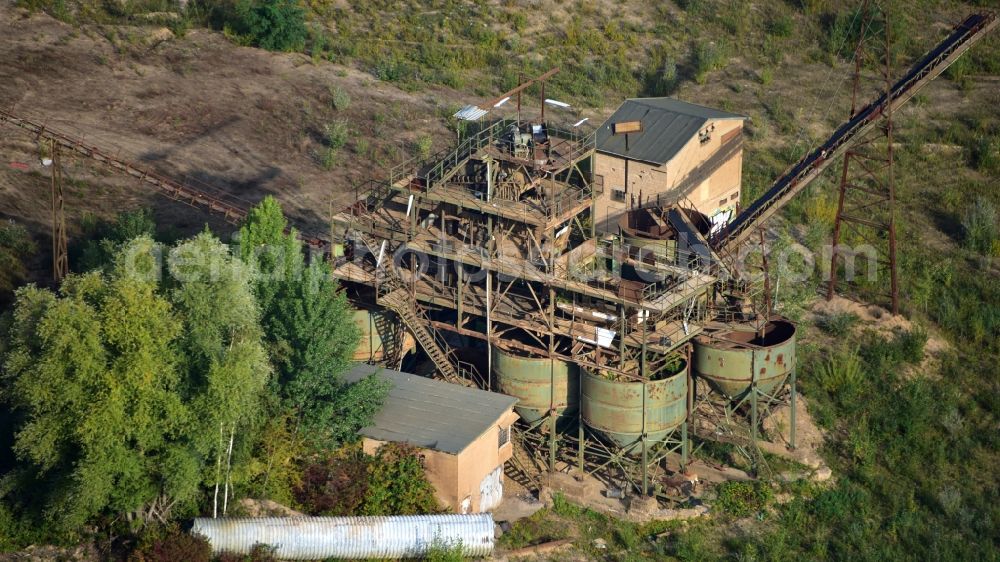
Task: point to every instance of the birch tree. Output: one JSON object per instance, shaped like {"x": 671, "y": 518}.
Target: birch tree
{"x": 225, "y": 364}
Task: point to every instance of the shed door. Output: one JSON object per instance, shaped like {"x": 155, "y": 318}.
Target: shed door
{"x": 491, "y": 490}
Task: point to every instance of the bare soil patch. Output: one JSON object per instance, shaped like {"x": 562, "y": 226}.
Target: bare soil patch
{"x": 201, "y": 110}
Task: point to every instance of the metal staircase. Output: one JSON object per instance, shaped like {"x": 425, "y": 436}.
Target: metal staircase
{"x": 391, "y": 335}
{"x": 393, "y": 295}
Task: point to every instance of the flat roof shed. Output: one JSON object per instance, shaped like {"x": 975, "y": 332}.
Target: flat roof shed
{"x": 432, "y": 414}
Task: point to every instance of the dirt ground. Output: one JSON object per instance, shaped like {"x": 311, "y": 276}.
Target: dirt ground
{"x": 199, "y": 109}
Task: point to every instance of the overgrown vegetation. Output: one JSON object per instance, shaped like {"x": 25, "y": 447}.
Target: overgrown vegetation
{"x": 913, "y": 444}
{"x": 103, "y": 240}
{"x": 392, "y": 482}
{"x": 275, "y": 25}
{"x": 741, "y": 499}
{"x": 170, "y": 381}
{"x": 15, "y": 247}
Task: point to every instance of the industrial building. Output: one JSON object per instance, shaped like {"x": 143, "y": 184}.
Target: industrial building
{"x": 463, "y": 434}
{"x": 616, "y": 338}
{"x": 680, "y": 150}
{"x": 621, "y": 337}
{"x": 493, "y": 246}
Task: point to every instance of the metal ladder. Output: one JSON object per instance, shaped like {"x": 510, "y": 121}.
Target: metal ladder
{"x": 393, "y": 295}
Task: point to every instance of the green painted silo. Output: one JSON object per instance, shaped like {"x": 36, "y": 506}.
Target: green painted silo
{"x": 614, "y": 409}
{"x": 538, "y": 384}
{"x": 730, "y": 361}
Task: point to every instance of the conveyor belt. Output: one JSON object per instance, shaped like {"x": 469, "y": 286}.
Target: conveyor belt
{"x": 975, "y": 27}
{"x": 232, "y": 209}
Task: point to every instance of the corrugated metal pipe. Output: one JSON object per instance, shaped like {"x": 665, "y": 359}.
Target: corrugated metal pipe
{"x": 312, "y": 538}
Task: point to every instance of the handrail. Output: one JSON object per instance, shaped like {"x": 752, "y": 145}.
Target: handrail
{"x": 390, "y": 281}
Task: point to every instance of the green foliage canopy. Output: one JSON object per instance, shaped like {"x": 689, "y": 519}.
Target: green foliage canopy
{"x": 310, "y": 332}
{"x": 15, "y": 246}
{"x": 93, "y": 374}
{"x": 275, "y": 25}
{"x": 125, "y": 390}
{"x": 106, "y": 239}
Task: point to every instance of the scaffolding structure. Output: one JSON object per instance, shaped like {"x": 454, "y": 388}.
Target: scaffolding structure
{"x": 866, "y": 205}
{"x": 493, "y": 241}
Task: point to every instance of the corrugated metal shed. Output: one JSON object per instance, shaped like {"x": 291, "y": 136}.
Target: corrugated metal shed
{"x": 667, "y": 125}
{"x": 431, "y": 414}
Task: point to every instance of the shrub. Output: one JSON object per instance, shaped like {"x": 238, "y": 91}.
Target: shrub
{"x": 844, "y": 29}
{"x": 741, "y": 499}
{"x": 980, "y": 225}
{"x": 562, "y": 506}
{"x": 397, "y": 484}
{"x": 911, "y": 345}
{"x": 627, "y": 536}
{"x": 336, "y": 485}
{"x": 349, "y": 482}
{"x": 339, "y": 99}
{"x": 328, "y": 158}
{"x": 780, "y": 25}
{"x": 766, "y": 75}
{"x": 661, "y": 78}
{"x": 985, "y": 153}
{"x": 336, "y": 134}
{"x": 423, "y": 146}
{"x": 275, "y": 25}
{"x": 881, "y": 355}
{"x": 842, "y": 373}
{"x": 705, "y": 57}
{"x": 441, "y": 551}
{"x": 837, "y": 324}
{"x": 691, "y": 6}
{"x": 170, "y": 544}
{"x": 16, "y": 531}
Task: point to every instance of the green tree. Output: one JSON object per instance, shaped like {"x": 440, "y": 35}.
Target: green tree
{"x": 15, "y": 246}
{"x": 314, "y": 337}
{"x": 106, "y": 239}
{"x": 275, "y": 25}
{"x": 308, "y": 325}
{"x": 272, "y": 249}
{"x": 224, "y": 360}
{"x": 92, "y": 374}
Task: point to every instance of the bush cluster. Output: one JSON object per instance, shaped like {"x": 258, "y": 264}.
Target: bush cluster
{"x": 741, "y": 499}
{"x": 349, "y": 482}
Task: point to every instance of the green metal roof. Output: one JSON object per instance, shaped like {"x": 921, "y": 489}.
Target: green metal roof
{"x": 667, "y": 125}
{"x": 431, "y": 414}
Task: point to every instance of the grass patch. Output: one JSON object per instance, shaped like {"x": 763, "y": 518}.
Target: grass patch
{"x": 838, "y": 324}
{"x": 742, "y": 499}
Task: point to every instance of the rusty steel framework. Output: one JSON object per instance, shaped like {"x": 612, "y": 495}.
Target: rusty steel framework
{"x": 492, "y": 241}
{"x": 866, "y": 204}
{"x": 60, "y": 253}
{"x": 231, "y": 209}
{"x": 495, "y": 241}
{"x": 809, "y": 167}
